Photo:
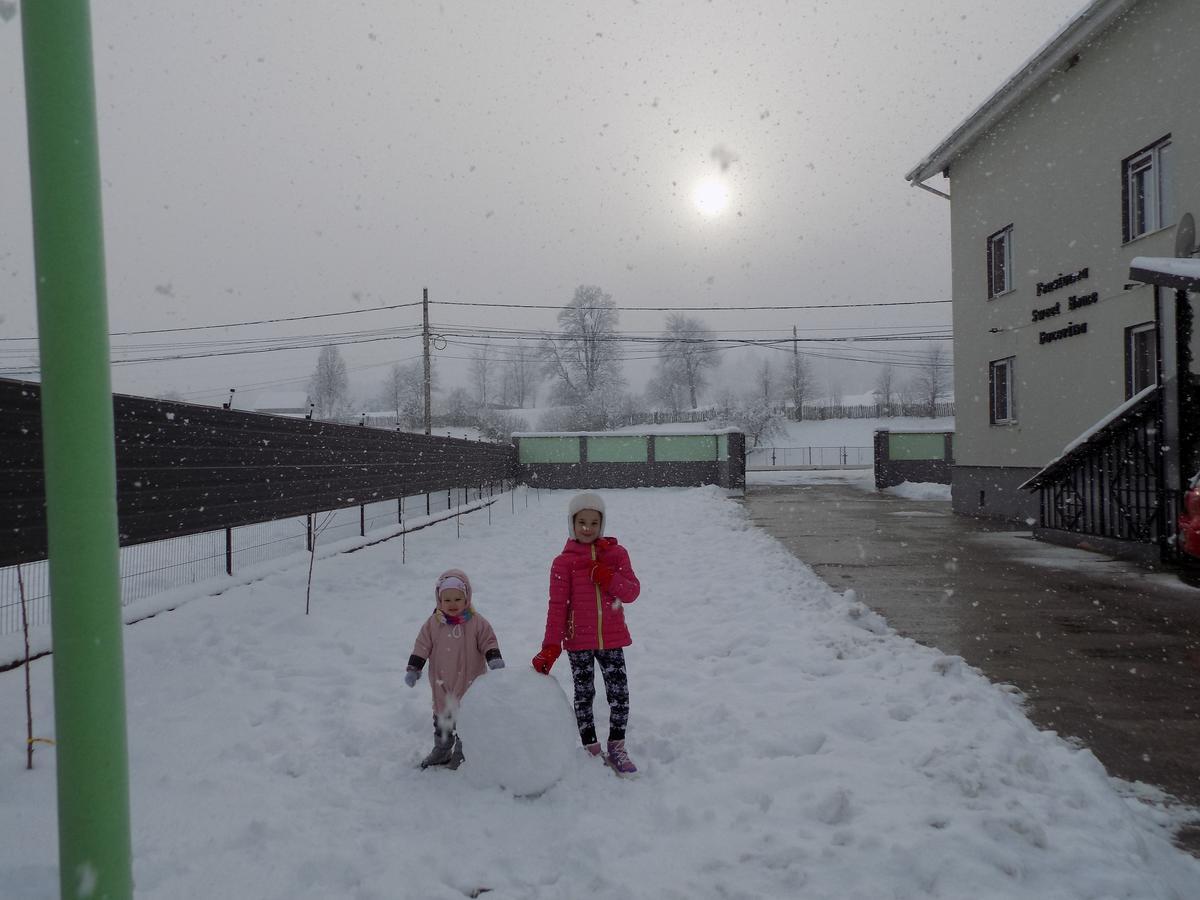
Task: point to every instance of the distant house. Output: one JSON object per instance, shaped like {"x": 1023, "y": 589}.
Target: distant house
{"x": 282, "y": 403}
{"x": 1085, "y": 159}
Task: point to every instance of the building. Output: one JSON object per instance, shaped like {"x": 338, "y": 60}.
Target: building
{"x": 1088, "y": 157}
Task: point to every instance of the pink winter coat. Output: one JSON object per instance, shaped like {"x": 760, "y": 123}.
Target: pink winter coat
{"x": 581, "y": 615}
{"x": 456, "y": 657}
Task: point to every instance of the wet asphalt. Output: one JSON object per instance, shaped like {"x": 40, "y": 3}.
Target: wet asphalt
{"x": 1106, "y": 652}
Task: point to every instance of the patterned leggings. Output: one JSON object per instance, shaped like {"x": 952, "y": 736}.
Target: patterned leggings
{"x": 616, "y": 688}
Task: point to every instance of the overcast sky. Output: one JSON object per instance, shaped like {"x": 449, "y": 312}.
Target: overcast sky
{"x": 293, "y": 158}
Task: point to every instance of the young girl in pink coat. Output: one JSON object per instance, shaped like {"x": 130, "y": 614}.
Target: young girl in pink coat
{"x": 459, "y": 645}
{"x": 589, "y": 583}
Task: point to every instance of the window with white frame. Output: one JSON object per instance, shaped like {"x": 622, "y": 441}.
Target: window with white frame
{"x": 1141, "y": 358}
{"x": 999, "y": 262}
{"x": 1147, "y": 190}
{"x": 1000, "y": 389}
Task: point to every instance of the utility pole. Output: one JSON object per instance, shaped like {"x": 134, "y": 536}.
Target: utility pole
{"x": 796, "y": 374}
{"x": 428, "y": 374}
{"x": 94, "y": 846}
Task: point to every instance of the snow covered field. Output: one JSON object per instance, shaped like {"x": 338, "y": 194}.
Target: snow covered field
{"x": 790, "y": 744}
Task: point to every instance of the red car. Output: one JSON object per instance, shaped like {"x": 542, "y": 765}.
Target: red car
{"x": 1188, "y": 539}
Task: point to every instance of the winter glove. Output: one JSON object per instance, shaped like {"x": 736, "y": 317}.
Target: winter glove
{"x": 495, "y": 662}
{"x": 412, "y": 676}
{"x": 602, "y": 575}
{"x": 545, "y": 660}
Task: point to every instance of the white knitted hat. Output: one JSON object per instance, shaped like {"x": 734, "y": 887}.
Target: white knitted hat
{"x": 584, "y": 501}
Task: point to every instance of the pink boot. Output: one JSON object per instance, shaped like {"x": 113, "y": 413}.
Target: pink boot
{"x": 592, "y": 749}
{"x": 618, "y": 759}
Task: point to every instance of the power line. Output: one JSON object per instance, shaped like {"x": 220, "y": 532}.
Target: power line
{"x": 345, "y": 312}
{"x": 696, "y": 308}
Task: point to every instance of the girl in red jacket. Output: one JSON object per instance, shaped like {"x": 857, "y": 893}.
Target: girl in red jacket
{"x": 589, "y": 583}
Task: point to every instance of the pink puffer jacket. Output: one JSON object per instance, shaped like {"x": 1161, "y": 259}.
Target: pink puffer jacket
{"x": 581, "y": 615}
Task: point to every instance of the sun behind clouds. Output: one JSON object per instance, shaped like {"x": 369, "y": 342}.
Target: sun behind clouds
{"x": 711, "y": 196}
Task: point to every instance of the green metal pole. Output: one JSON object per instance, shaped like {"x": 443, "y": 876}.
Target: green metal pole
{"x": 80, "y": 463}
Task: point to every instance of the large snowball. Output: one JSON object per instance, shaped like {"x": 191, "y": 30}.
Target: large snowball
{"x": 518, "y": 731}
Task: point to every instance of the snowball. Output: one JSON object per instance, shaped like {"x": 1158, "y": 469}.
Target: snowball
{"x": 518, "y": 731}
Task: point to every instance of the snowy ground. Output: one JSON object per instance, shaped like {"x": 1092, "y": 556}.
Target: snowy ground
{"x": 790, "y": 744}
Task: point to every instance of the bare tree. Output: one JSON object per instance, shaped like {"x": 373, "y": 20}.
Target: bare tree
{"x": 460, "y": 406}
{"x": 764, "y": 383}
{"x": 932, "y": 379}
{"x": 885, "y": 388}
{"x": 520, "y": 375}
{"x": 328, "y": 387}
{"x": 481, "y": 375}
{"x": 404, "y": 391}
{"x": 582, "y": 358}
{"x": 665, "y": 393}
{"x": 687, "y": 353}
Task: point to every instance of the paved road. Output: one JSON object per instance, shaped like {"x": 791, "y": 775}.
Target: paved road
{"x": 1106, "y": 652}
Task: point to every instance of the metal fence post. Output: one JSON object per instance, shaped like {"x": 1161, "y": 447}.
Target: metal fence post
{"x": 228, "y": 551}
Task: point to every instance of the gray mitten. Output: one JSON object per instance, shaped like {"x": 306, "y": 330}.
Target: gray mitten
{"x": 495, "y": 662}
{"x": 412, "y": 676}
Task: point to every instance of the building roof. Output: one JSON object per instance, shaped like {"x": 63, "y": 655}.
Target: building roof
{"x": 1089, "y": 22}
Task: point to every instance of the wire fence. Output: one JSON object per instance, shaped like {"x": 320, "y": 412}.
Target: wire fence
{"x": 157, "y": 566}
{"x": 809, "y": 457}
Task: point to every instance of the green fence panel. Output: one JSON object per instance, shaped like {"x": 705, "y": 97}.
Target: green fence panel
{"x": 623, "y": 449}
{"x": 722, "y": 446}
{"x": 685, "y": 448}
{"x": 917, "y": 445}
{"x": 548, "y": 450}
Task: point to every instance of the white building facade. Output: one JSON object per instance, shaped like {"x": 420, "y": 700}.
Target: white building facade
{"x": 1088, "y": 157}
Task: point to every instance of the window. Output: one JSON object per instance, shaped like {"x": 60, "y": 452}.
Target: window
{"x": 1141, "y": 358}
{"x": 999, "y": 262}
{"x": 1000, "y": 390}
{"x": 1146, "y": 190}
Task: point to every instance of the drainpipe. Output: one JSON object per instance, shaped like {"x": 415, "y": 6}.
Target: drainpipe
{"x": 79, "y": 457}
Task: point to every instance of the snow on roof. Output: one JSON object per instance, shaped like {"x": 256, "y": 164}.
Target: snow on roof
{"x": 1167, "y": 271}
{"x": 1089, "y": 434}
{"x": 1089, "y": 22}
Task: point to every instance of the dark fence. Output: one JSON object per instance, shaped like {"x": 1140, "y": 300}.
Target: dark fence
{"x": 1110, "y": 485}
{"x": 185, "y": 469}
{"x": 920, "y": 457}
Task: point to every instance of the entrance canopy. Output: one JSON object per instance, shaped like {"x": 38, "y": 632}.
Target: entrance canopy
{"x": 1166, "y": 271}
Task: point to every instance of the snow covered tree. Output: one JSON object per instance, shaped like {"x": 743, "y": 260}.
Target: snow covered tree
{"x": 686, "y": 355}
{"x": 582, "y": 358}
{"x": 758, "y": 421}
{"x": 328, "y": 388}
{"x": 801, "y": 383}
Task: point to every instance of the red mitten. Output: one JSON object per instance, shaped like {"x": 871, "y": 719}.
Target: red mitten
{"x": 602, "y": 575}
{"x": 545, "y": 659}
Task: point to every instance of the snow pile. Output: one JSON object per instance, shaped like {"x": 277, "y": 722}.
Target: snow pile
{"x": 789, "y": 743}
{"x": 518, "y": 732}
{"x": 919, "y": 490}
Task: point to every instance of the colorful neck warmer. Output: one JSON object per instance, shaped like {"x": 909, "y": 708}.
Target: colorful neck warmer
{"x": 455, "y": 620}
